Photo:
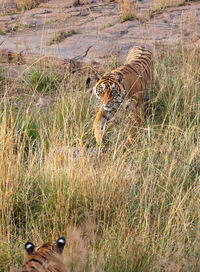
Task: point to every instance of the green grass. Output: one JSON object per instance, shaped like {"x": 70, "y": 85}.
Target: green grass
{"x": 43, "y": 80}
{"x": 161, "y": 5}
{"x": 2, "y": 32}
{"x": 128, "y": 17}
{"x": 155, "y": 11}
{"x": 134, "y": 209}
{"x": 107, "y": 26}
{"x": 28, "y": 26}
{"x": 62, "y": 36}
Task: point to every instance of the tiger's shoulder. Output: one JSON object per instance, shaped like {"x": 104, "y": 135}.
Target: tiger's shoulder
{"x": 47, "y": 257}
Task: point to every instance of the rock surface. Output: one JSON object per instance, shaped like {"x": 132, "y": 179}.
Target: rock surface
{"x": 91, "y": 31}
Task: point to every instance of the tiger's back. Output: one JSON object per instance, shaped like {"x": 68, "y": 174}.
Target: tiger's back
{"x": 45, "y": 258}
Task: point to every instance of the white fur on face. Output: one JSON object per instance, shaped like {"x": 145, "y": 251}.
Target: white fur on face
{"x": 112, "y": 86}
{"x": 96, "y": 92}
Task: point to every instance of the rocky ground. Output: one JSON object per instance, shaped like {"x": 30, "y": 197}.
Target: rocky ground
{"x": 91, "y": 31}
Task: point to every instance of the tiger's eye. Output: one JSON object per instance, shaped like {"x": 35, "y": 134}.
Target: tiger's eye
{"x": 101, "y": 89}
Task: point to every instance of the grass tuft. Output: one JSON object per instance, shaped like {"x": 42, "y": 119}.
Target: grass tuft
{"x": 128, "y": 12}
{"x": 43, "y": 80}
{"x": 107, "y": 26}
{"x": 128, "y": 17}
{"x": 62, "y": 36}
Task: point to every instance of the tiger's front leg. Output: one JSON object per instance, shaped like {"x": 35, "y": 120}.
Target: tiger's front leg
{"x": 101, "y": 118}
{"x": 138, "y": 110}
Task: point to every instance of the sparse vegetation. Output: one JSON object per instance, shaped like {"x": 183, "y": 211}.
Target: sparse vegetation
{"x": 160, "y": 5}
{"x": 135, "y": 209}
{"x": 28, "y": 4}
{"x": 28, "y": 26}
{"x": 129, "y": 17}
{"x": 63, "y": 35}
{"x": 20, "y": 6}
{"x": 43, "y": 80}
{"x": 2, "y": 32}
{"x": 128, "y": 13}
{"x": 155, "y": 11}
{"x": 107, "y": 26}
{"x": 48, "y": 22}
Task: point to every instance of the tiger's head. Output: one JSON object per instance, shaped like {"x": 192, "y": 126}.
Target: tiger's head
{"x": 57, "y": 247}
{"x": 47, "y": 257}
{"x": 110, "y": 91}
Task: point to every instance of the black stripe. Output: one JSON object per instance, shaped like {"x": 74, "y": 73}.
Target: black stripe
{"x": 144, "y": 54}
{"x": 145, "y": 65}
{"x": 139, "y": 63}
{"x": 34, "y": 260}
{"x": 131, "y": 67}
{"x": 29, "y": 269}
{"x": 147, "y": 68}
{"x": 56, "y": 269}
{"x": 33, "y": 268}
{"x": 145, "y": 59}
{"x": 144, "y": 69}
{"x": 146, "y": 50}
{"x": 142, "y": 48}
{"x": 105, "y": 117}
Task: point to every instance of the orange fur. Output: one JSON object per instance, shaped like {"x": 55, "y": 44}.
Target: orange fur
{"x": 97, "y": 128}
{"x": 45, "y": 258}
{"x": 131, "y": 81}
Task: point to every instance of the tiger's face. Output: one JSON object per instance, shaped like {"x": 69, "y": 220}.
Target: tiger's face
{"x": 110, "y": 93}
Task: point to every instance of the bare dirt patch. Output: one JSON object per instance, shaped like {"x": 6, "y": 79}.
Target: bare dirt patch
{"x": 100, "y": 33}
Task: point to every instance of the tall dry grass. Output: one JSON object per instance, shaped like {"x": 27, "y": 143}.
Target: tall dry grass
{"x": 22, "y": 4}
{"x": 128, "y": 10}
{"x": 131, "y": 209}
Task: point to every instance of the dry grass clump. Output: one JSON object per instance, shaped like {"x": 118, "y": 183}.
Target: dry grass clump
{"x": 128, "y": 11}
{"x": 128, "y": 209}
{"x": 160, "y": 4}
{"x": 27, "y": 4}
{"x": 62, "y": 35}
{"x": 21, "y": 5}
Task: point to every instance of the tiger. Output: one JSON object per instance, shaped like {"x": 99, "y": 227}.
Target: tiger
{"x": 45, "y": 258}
{"x": 131, "y": 82}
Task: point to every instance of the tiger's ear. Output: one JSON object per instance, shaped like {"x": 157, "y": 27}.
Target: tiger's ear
{"x": 60, "y": 243}
{"x": 119, "y": 77}
{"x": 97, "y": 77}
{"x": 29, "y": 247}
{"x": 87, "y": 85}
{"x": 88, "y": 80}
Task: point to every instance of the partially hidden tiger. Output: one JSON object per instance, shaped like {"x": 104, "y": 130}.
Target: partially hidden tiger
{"x": 45, "y": 258}
{"x": 131, "y": 82}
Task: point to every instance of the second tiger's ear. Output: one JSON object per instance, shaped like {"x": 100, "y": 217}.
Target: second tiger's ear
{"x": 60, "y": 243}
{"x": 29, "y": 247}
{"x": 119, "y": 77}
{"x": 97, "y": 77}
{"x": 88, "y": 80}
